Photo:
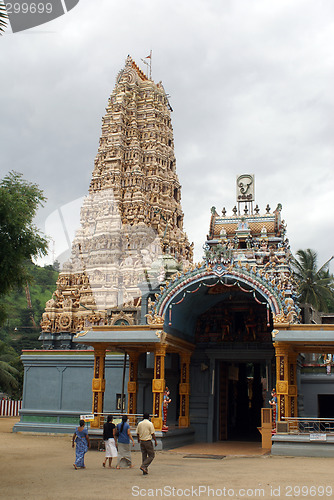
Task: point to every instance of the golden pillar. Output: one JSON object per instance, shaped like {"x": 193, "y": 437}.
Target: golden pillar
{"x": 184, "y": 389}
{"x": 292, "y": 390}
{"x": 286, "y": 380}
{"x": 158, "y": 385}
{"x": 98, "y": 385}
{"x": 132, "y": 385}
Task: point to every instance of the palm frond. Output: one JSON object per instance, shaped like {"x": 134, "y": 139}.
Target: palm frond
{"x": 315, "y": 286}
{"x": 324, "y": 267}
{"x": 3, "y": 17}
{"x": 8, "y": 376}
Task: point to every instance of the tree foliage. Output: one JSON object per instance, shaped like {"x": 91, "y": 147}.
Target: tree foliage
{"x": 315, "y": 286}
{"x": 10, "y": 371}
{"x": 3, "y": 18}
{"x": 20, "y": 240}
{"x": 18, "y": 330}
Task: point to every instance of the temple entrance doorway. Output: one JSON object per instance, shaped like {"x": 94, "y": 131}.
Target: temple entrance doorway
{"x": 242, "y": 391}
{"x": 234, "y": 334}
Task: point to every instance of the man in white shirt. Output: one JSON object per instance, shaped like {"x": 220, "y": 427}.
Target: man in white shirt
{"x": 145, "y": 434}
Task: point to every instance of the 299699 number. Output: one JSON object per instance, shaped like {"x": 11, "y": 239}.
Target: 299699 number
{"x": 308, "y": 491}
{"x": 28, "y": 8}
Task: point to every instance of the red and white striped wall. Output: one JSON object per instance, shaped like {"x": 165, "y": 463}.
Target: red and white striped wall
{"x": 9, "y": 408}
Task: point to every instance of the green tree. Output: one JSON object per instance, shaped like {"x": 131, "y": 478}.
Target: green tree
{"x": 20, "y": 240}
{"x": 9, "y": 372}
{"x": 18, "y": 330}
{"x": 3, "y": 18}
{"x": 315, "y": 286}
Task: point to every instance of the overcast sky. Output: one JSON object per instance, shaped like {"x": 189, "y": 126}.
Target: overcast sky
{"x": 251, "y": 85}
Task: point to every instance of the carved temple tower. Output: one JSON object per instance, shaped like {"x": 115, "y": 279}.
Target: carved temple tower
{"x": 130, "y": 220}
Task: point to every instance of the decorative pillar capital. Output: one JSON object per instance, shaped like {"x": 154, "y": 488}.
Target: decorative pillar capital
{"x": 281, "y": 348}
{"x": 133, "y": 355}
{"x": 160, "y": 350}
{"x": 99, "y": 351}
{"x": 185, "y": 357}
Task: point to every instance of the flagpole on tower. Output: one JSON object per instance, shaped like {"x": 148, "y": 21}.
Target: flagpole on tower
{"x": 149, "y": 65}
{"x": 150, "y": 56}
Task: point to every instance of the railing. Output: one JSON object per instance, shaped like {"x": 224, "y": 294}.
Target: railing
{"x": 304, "y": 425}
{"x": 133, "y": 418}
{"x": 9, "y": 408}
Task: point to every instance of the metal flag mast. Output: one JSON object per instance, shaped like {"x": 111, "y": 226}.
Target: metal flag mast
{"x": 149, "y": 65}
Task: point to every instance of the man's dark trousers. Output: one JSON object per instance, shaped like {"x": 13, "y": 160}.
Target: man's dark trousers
{"x": 147, "y": 453}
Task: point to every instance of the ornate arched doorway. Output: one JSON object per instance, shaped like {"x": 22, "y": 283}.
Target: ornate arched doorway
{"x": 235, "y": 336}
{"x": 228, "y": 316}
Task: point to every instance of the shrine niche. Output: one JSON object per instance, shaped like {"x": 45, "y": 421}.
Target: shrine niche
{"x": 226, "y": 322}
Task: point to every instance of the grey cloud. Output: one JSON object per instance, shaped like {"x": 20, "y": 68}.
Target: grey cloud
{"x": 249, "y": 85}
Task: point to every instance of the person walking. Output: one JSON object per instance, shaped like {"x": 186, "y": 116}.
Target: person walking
{"x": 124, "y": 437}
{"x": 110, "y": 440}
{"x": 145, "y": 433}
{"x": 81, "y": 439}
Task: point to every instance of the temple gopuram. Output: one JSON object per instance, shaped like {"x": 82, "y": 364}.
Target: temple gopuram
{"x": 132, "y": 313}
{"x": 130, "y": 220}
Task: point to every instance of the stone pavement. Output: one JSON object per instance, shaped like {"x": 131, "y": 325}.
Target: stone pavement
{"x": 40, "y": 467}
{"x": 227, "y": 448}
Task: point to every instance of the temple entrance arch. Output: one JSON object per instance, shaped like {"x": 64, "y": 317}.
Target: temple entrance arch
{"x": 228, "y": 316}
{"x": 234, "y": 335}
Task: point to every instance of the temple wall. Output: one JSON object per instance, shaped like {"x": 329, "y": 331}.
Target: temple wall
{"x": 58, "y": 388}
{"x": 311, "y": 387}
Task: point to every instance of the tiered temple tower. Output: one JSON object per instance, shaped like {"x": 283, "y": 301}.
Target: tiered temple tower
{"x": 256, "y": 243}
{"x": 130, "y": 219}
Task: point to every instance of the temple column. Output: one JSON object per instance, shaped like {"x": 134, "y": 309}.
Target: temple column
{"x": 158, "y": 385}
{"x": 286, "y": 380}
{"x": 132, "y": 385}
{"x": 293, "y": 391}
{"x": 98, "y": 384}
{"x": 184, "y": 389}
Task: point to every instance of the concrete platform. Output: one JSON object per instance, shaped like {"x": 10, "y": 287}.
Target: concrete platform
{"x": 166, "y": 440}
{"x": 223, "y": 448}
{"x": 301, "y": 445}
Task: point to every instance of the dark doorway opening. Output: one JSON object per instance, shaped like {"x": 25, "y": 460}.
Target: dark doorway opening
{"x": 326, "y": 405}
{"x": 241, "y": 397}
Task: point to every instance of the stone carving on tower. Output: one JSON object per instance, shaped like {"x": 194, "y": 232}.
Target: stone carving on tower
{"x": 246, "y": 254}
{"x": 130, "y": 219}
{"x": 256, "y": 243}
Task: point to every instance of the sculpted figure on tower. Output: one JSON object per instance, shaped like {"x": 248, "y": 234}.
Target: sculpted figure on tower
{"x": 131, "y": 216}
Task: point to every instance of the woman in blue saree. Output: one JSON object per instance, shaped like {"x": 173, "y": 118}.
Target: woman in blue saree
{"x": 81, "y": 439}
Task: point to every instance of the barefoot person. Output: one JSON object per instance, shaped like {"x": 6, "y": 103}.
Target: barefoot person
{"x": 124, "y": 437}
{"x": 145, "y": 434}
{"x": 110, "y": 440}
{"x": 81, "y": 439}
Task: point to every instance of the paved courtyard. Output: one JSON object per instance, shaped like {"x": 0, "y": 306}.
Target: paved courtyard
{"x": 40, "y": 467}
